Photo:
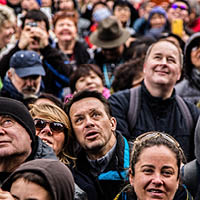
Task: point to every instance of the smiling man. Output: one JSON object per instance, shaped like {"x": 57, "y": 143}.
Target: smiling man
{"x": 105, "y": 153}
{"x": 157, "y": 106}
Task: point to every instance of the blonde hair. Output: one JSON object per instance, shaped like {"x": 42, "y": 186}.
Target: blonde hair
{"x": 54, "y": 113}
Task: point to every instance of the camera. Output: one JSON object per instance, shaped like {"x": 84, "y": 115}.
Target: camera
{"x": 32, "y": 24}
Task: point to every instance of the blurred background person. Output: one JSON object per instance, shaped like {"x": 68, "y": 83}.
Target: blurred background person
{"x": 7, "y": 29}
{"x": 66, "y": 32}
{"x": 125, "y": 13}
{"x": 189, "y": 87}
{"x": 88, "y": 77}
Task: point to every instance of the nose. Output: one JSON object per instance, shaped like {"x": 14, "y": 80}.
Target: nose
{"x": 164, "y": 61}
{"x": 29, "y": 82}
{"x": 2, "y": 131}
{"x": 46, "y": 131}
{"x": 89, "y": 122}
{"x": 88, "y": 80}
{"x": 157, "y": 179}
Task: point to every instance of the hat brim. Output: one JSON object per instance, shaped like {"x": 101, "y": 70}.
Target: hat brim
{"x": 30, "y": 71}
{"x": 94, "y": 39}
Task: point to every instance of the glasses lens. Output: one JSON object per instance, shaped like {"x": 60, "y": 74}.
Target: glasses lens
{"x": 183, "y": 7}
{"x": 174, "y": 6}
{"x": 39, "y": 123}
{"x": 57, "y": 126}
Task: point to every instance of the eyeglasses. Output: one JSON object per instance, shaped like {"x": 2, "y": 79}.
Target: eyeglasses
{"x": 182, "y": 7}
{"x": 54, "y": 126}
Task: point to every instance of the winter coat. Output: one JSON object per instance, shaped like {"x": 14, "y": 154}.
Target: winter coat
{"x": 109, "y": 182}
{"x": 155, "y": 114}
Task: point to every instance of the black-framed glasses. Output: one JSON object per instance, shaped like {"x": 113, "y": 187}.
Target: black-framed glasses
{"x": 54, "y": 126}
{"x": 175, "y": 6}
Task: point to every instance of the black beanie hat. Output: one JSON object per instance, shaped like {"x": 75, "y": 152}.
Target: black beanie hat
{"x": 20, "y": 113}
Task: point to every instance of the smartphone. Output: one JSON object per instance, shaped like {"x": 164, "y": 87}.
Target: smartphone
{"x": 177, "y": 27}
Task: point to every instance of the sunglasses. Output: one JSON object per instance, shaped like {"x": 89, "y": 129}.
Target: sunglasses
{"x": 54, "y": 126}
{"x": 182, "y": 7}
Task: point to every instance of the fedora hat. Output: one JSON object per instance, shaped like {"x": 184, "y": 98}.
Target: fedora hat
{"x": 109, "y": 34}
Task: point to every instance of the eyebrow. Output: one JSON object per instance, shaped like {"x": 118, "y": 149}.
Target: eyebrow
{"x": 90, "y": 111}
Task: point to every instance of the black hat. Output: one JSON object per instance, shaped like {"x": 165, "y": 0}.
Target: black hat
{"x": 20, "y": 113}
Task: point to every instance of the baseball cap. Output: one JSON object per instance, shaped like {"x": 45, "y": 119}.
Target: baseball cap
{"x": 27, "y": 63}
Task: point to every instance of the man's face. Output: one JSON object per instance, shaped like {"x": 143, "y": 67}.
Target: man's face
{"x": 29, "y": 85}
{"x": 114, "y": 53}
{"x": 162, "y": 66}
{"x": 14, "y": 139}
{"x": 93, "y": 128}
{"x": 33, "y": 32}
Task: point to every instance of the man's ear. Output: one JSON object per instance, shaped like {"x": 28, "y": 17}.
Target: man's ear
{"x": 10, "y": 73}
{"x": 113, "y": 122}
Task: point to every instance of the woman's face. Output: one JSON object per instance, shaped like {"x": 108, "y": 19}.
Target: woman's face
{"x": 123, "y": 13}
{"x": 65, "y": 30}
{"x": 195, "y": 56}
{"x": 22, "y": 190}
{"x": 157, "y": 21}
{"x": 90, "y": 82}
{"x": 156, "y": 174}
{"x": 6, "y": 32}
{"x": 54, "y": 139}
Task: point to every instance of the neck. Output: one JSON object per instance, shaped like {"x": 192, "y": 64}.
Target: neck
{"x": 159, "y": 90}
{"x": 9, "y": 164}
{"x": 99, "y": 153}
{"x": 66, "y": 47}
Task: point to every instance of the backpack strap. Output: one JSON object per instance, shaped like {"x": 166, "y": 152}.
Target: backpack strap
{"x": 185, "y": 112}
{"x": 134, "y": 106}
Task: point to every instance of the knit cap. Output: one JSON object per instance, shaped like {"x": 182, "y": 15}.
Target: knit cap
{"x": 20, "y": 113}
{"x": 158, "y": 10}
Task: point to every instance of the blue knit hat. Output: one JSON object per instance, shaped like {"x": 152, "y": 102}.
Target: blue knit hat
{"x": 158, "y": 10}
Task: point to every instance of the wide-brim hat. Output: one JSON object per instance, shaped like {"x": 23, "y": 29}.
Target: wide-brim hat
{"x": 110, "y": 34}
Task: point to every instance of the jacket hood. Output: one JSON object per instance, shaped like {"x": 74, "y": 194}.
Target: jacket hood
{"x": 191, "y": 42}
{"x": 57, "y": 175}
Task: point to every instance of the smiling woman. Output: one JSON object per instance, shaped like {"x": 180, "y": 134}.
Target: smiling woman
{"x": 154, "y": 171}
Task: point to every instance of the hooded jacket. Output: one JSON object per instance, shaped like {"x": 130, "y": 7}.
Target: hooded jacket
{"x": 58, "y": 177}
{"x": 189, "y": 87}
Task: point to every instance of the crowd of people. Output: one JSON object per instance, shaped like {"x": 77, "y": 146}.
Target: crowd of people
{"x": 99, "y": 99}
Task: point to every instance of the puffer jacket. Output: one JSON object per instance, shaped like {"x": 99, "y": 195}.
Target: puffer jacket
{"x": 189, "y": 87}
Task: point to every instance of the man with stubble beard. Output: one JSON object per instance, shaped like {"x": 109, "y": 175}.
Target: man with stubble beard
{"x": 23, "y": 81}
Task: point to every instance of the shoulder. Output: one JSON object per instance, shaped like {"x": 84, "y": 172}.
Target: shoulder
{"x": 123, "y": 95}
{"x": 44, "y": 151}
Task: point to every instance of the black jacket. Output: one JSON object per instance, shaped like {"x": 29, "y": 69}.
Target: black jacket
{"x": 109, "y": 182}
{"x": 155, "y": 115}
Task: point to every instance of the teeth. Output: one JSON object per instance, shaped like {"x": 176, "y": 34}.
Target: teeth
{"x": 155, "y": 191}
